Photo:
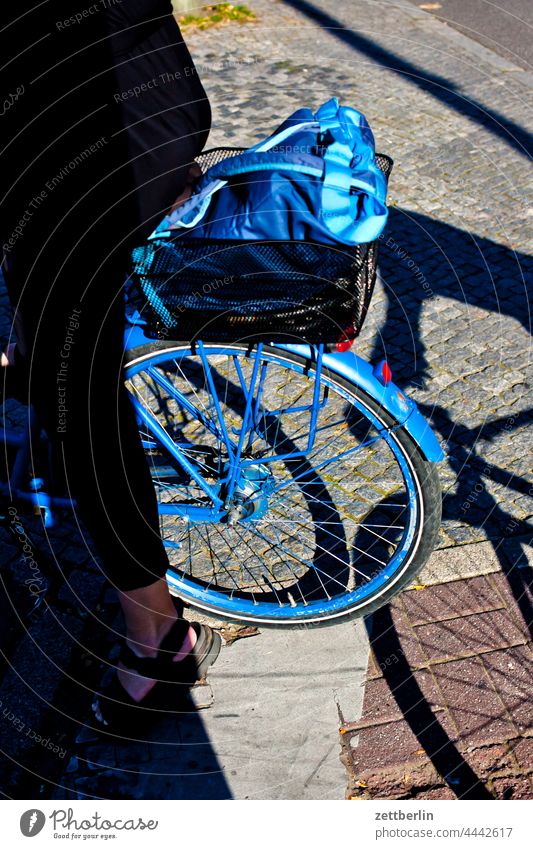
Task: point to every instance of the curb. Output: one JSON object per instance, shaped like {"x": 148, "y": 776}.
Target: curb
{"x": 469, "y": 44}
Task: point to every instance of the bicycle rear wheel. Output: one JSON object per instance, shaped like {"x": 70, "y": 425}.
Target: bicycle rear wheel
{"x": 312, "y": 533}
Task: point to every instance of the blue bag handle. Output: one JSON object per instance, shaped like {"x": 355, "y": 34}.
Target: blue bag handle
{"x": 352, "y": 139}
{"x": 303, "y": 163}
{"x": 248, "y": 162}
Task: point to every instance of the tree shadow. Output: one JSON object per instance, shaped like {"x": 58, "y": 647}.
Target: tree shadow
{"x": 439, "y": 87}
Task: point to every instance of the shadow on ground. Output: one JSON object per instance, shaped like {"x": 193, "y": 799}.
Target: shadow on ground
{"x": 441, "y": 88}
{"x": 422, "y": 258}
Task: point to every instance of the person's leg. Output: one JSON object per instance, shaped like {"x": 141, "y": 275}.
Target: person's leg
{"x": 71, "y": 255}
{"x": 133, "y": 554}
{"x": 104, "y": 467}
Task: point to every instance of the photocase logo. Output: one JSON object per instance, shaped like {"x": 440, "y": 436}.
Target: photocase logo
{"x": 32, "y": 822}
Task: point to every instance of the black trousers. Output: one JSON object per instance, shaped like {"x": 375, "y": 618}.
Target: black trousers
{"x": 103, "y": 112}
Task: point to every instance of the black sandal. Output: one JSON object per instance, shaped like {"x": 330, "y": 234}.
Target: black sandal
{"x": 114, "y": 708}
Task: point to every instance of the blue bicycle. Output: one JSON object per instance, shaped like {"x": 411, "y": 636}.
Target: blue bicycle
{"x": 296, "y": 483}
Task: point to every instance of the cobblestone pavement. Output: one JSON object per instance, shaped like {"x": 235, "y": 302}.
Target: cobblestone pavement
{"x": 450, "y": 311}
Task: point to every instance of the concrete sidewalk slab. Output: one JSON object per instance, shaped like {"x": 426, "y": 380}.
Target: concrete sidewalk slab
{"x": 272, "y": 731}
{"x": 274, "y": 724}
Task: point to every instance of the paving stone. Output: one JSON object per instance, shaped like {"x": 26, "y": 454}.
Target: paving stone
{"x": 519, "y": 553}
{"x": 106, "y": 785}
{"x": 393, "y": 744}
{"x": 449, "y": 601}
{"x": 487, "y": 759}
{"x": 476, "y": 708}
{"x": 399, "y": 783}
{"x": 129, "y": 754}
{"x": 437, "y": 793}
{"x": 387, "y": 745}
{"x": 464, "y": 561}
{"x": 82, "y": 589}
{"x": 381, "y": 706}
{"x": 523, "y": 751}
{"x": 516, "y": 590}
{"x": 511, "y": 672}
{"x": 512, "y": 788}
{"x": 410, "y": 646}
{"x": 469, "y": 635}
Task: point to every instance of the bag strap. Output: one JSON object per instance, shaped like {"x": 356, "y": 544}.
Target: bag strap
{"x": 246, "y": 163}
{"x": 334, "y": 168}
{"x": 338, "y": 154}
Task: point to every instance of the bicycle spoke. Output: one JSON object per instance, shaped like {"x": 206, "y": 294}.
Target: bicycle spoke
{"x": 312, "y": 565}
{"x": 255, "y": 555}
{"x": 293, "y": 521}
{"x": 245, "y": 567}
{"x": 320, "y": 525}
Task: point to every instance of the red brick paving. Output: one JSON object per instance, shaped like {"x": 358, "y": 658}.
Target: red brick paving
{"x": 454, "y": 599}
{"x": 382, "y": 706}
{"x": 474, "y": 705}
{"x": 452, "y": 667}
{"x": 511, "y": 672}
{"x": 469, "y": 635}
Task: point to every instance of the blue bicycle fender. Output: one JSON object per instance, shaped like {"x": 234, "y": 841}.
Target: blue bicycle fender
{"x": 391, "y": 397}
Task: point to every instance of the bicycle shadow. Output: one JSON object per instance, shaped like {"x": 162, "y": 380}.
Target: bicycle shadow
{"x": 394, "y": 653}
{"x": 490, "y": 276}
{"x": 418, "y": 261}
{"x": 433, "y": 737}
{"x": 473, "y": 503}
{"x": 421, "y": 258}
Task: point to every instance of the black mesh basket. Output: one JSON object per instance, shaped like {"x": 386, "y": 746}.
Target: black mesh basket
{"x": 227, "y": 291}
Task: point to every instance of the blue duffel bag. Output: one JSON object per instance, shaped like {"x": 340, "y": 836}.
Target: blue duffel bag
{"x": 315, "y": 178}
{"x": 278, "y": 242}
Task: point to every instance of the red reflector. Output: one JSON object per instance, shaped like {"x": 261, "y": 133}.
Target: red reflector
{"x": 386, "y": 373}
{"x": 344, "y": 346}
{"x": 382, "y": 372}
{"x": 346, "y": 340}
